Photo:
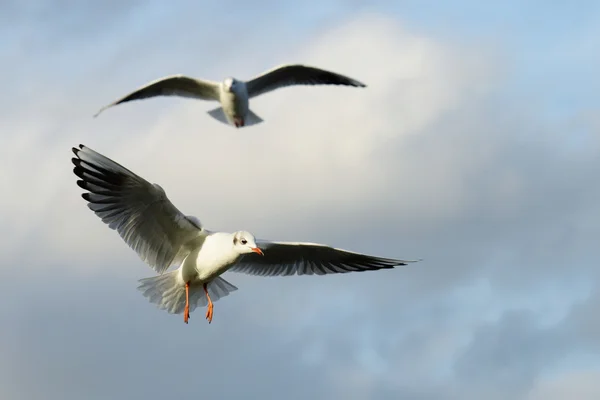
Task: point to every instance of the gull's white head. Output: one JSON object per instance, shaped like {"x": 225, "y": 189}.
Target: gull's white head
{"x": 244, "y": 242}
{"x": 230, "y": 84}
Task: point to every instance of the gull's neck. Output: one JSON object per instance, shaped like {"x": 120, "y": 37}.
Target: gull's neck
{"x": 216, "y": 255}
{"x": 221, "y": 242}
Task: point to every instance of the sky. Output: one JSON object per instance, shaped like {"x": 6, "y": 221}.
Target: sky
{"x": 475, "y": 147}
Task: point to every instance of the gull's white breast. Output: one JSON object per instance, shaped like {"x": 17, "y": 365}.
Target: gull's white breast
{"x": 234, "y": 103}
{"x": 215, "y": 256}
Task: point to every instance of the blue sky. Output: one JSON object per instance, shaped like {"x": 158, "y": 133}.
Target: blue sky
{"x": 474, "y": 147}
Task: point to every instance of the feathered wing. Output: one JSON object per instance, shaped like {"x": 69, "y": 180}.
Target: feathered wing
{"x": 176, "y": 85}
{"x": 288, "y": 258}
{"x": 139, "y": 211}
{"x": 288, "y": 75}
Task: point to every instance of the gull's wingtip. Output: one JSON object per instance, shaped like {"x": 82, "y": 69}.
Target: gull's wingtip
{"x": 76, "y": 150}
{"x": 99, "y": 112}
{"x": 406, "y": 262}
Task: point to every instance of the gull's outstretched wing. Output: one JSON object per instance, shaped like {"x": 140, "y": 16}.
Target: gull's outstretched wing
{"x": 176, "y": 85}
{"x": 139, "y": 211}
{"x": 288, "y": 258}
{"x": 288, "y": 75}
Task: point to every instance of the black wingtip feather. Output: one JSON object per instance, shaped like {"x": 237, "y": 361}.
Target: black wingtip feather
{"x": 95, "y": 170}
{"x": 77, "y": 170}
{"x": 76, "y": 150}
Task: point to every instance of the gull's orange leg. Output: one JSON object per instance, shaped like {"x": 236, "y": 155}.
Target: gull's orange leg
{"x": 186, "y": 311}
{"x": 209, "y": 310}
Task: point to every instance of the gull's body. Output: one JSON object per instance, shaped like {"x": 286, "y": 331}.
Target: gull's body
{"x": 163, "y": 237}
{"x": 234, "y": 94}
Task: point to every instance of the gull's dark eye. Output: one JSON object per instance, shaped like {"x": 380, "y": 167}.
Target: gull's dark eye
{"x": 244, "y": 241}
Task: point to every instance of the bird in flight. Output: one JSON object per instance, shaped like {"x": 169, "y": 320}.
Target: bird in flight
{"x": 234, "y": 94}
{"x": 163, "y": 237}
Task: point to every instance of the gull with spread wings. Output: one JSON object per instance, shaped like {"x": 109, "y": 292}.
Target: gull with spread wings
{"x": 162, "y": 236}
{"x": 234, "y": 94}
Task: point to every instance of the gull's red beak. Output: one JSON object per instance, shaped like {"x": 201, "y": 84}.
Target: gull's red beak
{"x": 257, "y": 250}
{"x": 239, "y": 122}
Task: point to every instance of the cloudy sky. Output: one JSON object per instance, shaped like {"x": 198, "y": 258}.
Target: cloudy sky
{"x": 476, "y": 146}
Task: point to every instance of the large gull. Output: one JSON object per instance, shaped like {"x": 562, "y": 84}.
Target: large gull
{"x": 163, "y": 236}
{"x": 234, "y": 94}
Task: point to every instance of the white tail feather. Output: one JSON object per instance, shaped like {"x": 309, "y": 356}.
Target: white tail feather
{"x": 168, "y": 293}
{"x": 219, "y": 115}
{"x": 252, "y": 119}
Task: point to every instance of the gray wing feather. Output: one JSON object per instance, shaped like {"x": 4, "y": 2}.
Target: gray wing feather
{"x": 139, "y": 211}
{"x": 288, "y": 75}
{"x": 287, "y": 258}
{"x": 175, "y": 85}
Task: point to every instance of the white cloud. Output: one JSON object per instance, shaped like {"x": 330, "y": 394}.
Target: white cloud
{"x": 425, "y": 162}
{"x": 577, "y": 384}
{"x": 318, "y": 152}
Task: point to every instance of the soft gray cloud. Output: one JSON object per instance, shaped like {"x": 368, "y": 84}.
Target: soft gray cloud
{"x": 582, "y": 384}
{"x": 429, "y": 161}
{"x": 508, "y": 355}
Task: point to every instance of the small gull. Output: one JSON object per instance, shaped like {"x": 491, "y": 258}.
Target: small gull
{"x": 234, "y": 94}
{"x": 162, "y": 237}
